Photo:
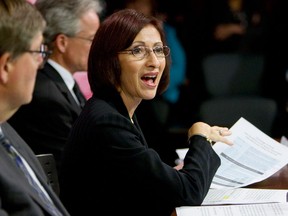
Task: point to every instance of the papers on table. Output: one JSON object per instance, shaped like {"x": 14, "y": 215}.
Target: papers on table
{"x": 270, "y": 209}
{"x": 241, "y": 202}
{"x": 253, "y": 157}
{"x": 244, "y": 196}
{"x": 181, "y": 153}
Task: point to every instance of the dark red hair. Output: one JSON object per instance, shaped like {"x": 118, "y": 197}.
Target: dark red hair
{"x": 117, "y": 33}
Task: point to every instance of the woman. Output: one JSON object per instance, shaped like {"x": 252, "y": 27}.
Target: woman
{"x": 128, "y": 63}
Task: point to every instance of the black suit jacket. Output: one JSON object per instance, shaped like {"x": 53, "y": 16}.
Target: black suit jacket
{"x": 17, "y": 197}
{"x": 122, "y": 175}
{"x": 46, "y": 122}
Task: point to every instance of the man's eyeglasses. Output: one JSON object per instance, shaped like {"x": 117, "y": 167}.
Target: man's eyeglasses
{"x": 141, "y": 52}
{"x": 84, "y": 38}
{"x": 44, "y": 52}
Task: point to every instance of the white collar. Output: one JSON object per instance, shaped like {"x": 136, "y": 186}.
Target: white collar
{"x": 64, "y": 73}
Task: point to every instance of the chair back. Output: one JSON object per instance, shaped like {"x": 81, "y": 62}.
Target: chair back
{"x": 233, "y": 73}
{"x": 49, "y": 165}
{"x": 233, "y": 83}
{"x": 226, "y": 111}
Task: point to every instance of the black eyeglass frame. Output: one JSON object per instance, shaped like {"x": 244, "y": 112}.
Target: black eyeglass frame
{"x": 148, "y": 50}
{"x": 45, "y": 53}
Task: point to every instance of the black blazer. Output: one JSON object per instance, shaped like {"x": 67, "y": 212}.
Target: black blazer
{"x": 125, "y": 176}
{"x": 16, "y": 194}
{"x": 45, "y": 122}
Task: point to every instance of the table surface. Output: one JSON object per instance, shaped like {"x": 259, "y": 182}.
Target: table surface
{"x": 279, "y": 180}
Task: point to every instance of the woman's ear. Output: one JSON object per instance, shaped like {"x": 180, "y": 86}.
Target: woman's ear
{"x": 6, "y": 65}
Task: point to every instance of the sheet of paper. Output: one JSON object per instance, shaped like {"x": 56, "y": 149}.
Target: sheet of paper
{"x": 271, "y": 209}
{"x": 244, "y": 196}
{"x": 253, "y": 157}
{"x": 181, "y": 153}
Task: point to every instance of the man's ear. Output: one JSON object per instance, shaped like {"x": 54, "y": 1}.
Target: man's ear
{"x": 6, "y": 65}
{"x": 61, "y": 42}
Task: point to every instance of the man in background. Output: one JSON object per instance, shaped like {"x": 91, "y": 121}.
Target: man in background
{"x": 46, "y": 122}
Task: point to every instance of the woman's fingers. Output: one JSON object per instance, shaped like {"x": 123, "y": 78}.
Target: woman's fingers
{"x": 219, "y": 133}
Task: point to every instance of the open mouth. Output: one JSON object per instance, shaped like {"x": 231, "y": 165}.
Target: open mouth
{"x": 149, "y": 79}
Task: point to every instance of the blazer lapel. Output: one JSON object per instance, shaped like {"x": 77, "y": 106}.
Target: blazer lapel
{"x": 57, "y": 79}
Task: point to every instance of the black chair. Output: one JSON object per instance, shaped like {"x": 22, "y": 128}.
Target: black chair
{"x": 227, "y": 74}
{"x": 226, "y": 111}
{"x": 49, "y": 165}
{"x": 233, "y": 82}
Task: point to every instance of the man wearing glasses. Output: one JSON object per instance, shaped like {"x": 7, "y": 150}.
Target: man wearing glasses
{"x": 24, "y": 188}
{"x": 46, "y": 122}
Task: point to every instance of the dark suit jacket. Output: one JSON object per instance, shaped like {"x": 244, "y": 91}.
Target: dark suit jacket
{"x": 45, "y": 122}
{"x": 17, "y": 197}
{"x": 125, "y": 176}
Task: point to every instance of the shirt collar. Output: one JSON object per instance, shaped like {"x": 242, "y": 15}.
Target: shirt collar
{"x": 64, "y": 73}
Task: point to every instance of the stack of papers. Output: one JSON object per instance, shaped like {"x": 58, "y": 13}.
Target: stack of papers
{"x": 244, "y": 196}
{"x": 267, "y": 209}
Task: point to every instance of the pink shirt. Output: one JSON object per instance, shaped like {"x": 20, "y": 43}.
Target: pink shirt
{"x": 82, "y": 80}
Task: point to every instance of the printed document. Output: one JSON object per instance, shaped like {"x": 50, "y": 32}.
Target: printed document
{"x": 270, "y": 209}
{"x": 253, "y": 157}
{"x": 244, "y": 196}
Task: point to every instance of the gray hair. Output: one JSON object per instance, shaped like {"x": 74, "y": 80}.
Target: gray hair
{"x": 63, "y": 16}
{"x": 20, "y": 22}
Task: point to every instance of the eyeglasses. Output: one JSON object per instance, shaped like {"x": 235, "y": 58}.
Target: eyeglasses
{"x": 84, "y": 38}
{"x": 141, "y": 52}
{"x": 44, "y": 52}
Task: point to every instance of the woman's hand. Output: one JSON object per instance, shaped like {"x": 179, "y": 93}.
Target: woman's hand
{"x": 179, "y": 166}
{"x": 213, "y": 133}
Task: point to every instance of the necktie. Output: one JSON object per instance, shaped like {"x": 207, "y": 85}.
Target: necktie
{"x": 79, "y": 95}
{"x": 19, "y": 162}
